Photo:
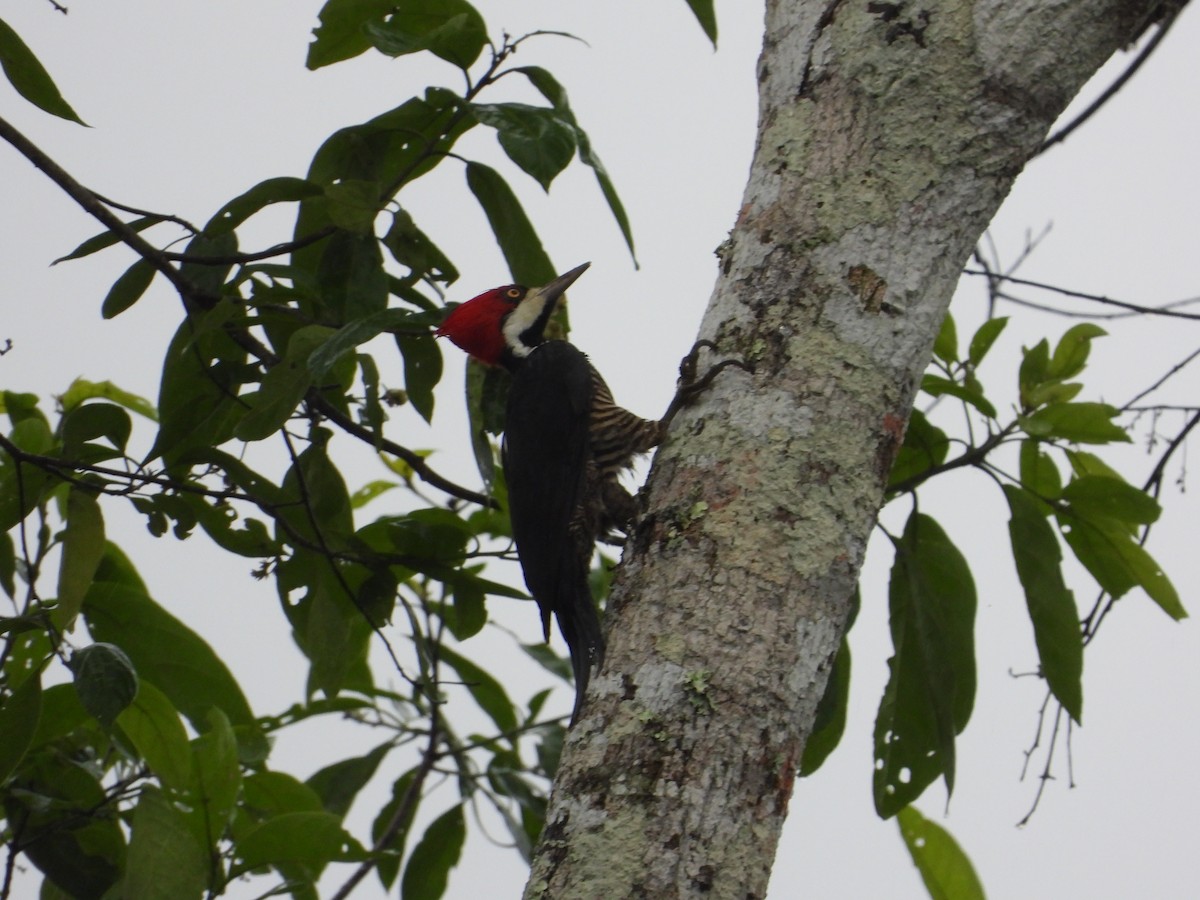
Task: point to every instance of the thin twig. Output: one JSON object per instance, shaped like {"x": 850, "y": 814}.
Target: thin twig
{"x": 1172, "y": 13}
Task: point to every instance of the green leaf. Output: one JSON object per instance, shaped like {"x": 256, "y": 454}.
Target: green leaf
{"x": 1034, "y": 362}
{"x": 486, "y": 690}
{"x": 216, "y": 778}
{"x": 354, "y": 204}
{"x": 467, "y": 616}
{"x": 945, "y": 345}
{"x": 944, "y": 867}
{"x": 830, "y": 721}
{"x": 82, "y": 548}
{"x": 984, "y": 337}
{"x": 165, "y": 860}
{"x": 1070, "y": 356}
{"x": 1051, "y": 605}
{"x": 410, "y": 247}
{"x": 549, "y": 87}
{"x": 1081, "y": 423}
{"x": 197, "y": 401}
{"x": 925, "y": 447}
{"x": 105, "y": 680}
{"x": 341, "y": 34}
{"x": 1039, "y": 474}
{"x": 81, "y": 389}
{"x": 486, "y": 387}
{"x": 90, "y": 421}
{"x": 1100, "y": 496}
{"x": 307, "y": 839}
{"x": 351, "y": 276}
{"x": 706, "y": 16}
{"x": 164, "y": 650}
{"x": 1117, "y": 561}
{"x": 128, "y": 289}
{"x": 354, "y": 333}
{"x": 283, "y": 387}
{"x": 931, "y": 689}
{"x": 152, "y": 725}
{"x": 936, "y": 386}
{"x": 422, "y": 371}
{"x": 19, "y": 717}
{"x": 534, "y": 137}
{"x": 107, "y": 239}
{"x": 263, "y": 194}
{"x": 338, "y": 784}
{"x": 450, "y": 29}
{"x": 29, "y": 77}
{"x": 390, "y": 838}
{"x": 518, "y": 240}
{"x": 434, "y": 856}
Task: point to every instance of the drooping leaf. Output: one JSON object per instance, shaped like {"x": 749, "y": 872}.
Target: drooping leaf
{"x": 152, "y": 725}
{"x": 451, "y": 29}
{"x": 197, "y": 401}
{"x": 263, "y": 194}
{"x": 707, "y": 17}
{"x": 1101, "y": 496}
{"x": 351, "y": 276}
{"x": 128, "y": 289}
{"x": 944, "y": 867}
{"x": 1039, "y": 474}
{"x": 1082, "y": 423}
{"x": 1071, "y": 353}
{"x": 422, "y": 371}
{"x": 549, "y": 87}
{"x": 486, "y": 690}
{"x": 534, "y": 137}
{"x": 936, "y": 386}
{"x": 283, "y": 387}
{"x": 411, "y": 247}
{"x": 945, "y": 345}
{"x": 19, "y": 717}
{"x": 164, "y": 650}
{"x": 518, "y": 240}
{"x": 89, "y": 421}
{"x": 83, "y": 547}
{"x": 984, "y": 337}
{"x": 105, "y": 681}
{"x": 107, "y": 239}
{"x": 1117, "y": 561}
{"x": 165, "y": 860}
{"x": 925, "y": 446}
{"x": 339, "y": 783}
{"x": 437, "y": 852}
{"x": 931, "y": 689}
{"x": 30, "y": 77}
{"x": 306, "y": 839}
{"x": 1051, "y": 604}
{"x": 81, "y": 389}
{"x": 341, "y": 34}
{"x": 830, "y": 721}
{"x": 216, "y": 778}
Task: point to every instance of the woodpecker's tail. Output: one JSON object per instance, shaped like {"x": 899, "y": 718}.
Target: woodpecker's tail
{"x": 580, "y": 627}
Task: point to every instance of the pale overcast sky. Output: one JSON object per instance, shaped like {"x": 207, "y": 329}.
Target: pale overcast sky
{"x": 192, "y": 103}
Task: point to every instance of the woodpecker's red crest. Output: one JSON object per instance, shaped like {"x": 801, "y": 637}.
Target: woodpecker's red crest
{"x": 505, "y": 323}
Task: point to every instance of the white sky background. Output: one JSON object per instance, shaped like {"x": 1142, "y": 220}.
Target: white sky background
{"x": 193, "y": 103}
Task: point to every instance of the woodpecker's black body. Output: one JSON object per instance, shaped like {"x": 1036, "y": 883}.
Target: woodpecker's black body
{"x": 565, "y": 445}
{"x": 547, "y": 458}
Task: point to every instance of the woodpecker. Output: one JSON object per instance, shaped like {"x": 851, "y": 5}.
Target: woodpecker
{"x": 565, "y": 445}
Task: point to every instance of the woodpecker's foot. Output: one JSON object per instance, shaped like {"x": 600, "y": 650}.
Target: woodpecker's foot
{"x": 690, "y": 386}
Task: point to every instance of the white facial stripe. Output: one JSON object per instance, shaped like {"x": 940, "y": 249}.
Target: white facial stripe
{"x": 521, "y": 320}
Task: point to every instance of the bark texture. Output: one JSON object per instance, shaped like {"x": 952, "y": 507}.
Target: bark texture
{"x": 889, "y": 134}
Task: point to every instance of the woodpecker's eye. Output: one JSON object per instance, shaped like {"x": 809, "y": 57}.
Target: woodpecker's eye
{"x": 514, "y": 293}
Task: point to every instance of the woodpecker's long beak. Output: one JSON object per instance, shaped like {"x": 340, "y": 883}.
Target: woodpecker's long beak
{"x": 556, "y": 288}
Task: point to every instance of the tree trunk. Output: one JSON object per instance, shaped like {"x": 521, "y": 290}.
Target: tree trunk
{"x": 889, "y": 133}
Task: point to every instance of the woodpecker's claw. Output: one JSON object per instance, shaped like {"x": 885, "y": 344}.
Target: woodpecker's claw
{"x": 689, "y": 386}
